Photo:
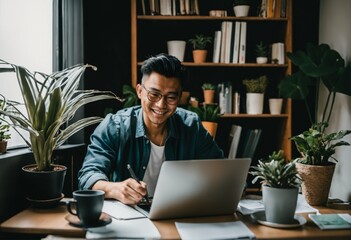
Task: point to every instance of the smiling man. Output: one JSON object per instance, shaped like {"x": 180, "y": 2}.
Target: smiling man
{"x": 145, "y": 136}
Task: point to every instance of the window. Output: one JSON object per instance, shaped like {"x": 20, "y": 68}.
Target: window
{"x": 26, "y": 28}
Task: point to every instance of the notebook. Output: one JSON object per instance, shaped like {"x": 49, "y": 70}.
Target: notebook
{"x": 194, "y": 188}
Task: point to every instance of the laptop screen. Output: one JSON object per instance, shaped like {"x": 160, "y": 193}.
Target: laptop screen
{"x": 191, "y": 188}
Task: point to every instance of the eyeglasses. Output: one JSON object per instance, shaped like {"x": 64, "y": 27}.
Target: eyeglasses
{"x": 171, "y": 98}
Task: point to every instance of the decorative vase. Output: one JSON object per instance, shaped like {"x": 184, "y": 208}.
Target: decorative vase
{"x": 241, "y": 10}
{"x": 316, "y": 182}
{"x": 279, "y": 204}
{"x": 254, "y": 103}
{"x": 176, "y": 48}
{"x": 43, "y": 185}
{"x": 211, "y": 127}
{"x": 199, "y": 56}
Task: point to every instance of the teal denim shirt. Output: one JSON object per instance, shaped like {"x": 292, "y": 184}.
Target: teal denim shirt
{"x": 120, "y": 139}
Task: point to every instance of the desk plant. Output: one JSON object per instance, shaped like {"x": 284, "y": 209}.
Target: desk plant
{"x": 255, "y": 89}
{"x": 50, "y": 101}
{"x": 318, "y": 64}
{"x": 199, "y": 44}
{"x": 280, "y": 186}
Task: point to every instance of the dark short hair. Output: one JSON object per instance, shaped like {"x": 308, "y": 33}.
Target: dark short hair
{"x": 166, "y": 65}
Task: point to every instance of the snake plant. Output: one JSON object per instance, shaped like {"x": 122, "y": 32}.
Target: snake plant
{"x": 50, "y": 102}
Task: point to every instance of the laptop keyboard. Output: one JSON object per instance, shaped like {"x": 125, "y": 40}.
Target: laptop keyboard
{"x": 145, "y": 205}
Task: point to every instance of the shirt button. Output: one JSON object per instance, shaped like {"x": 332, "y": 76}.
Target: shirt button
{"x": 144, "y": 167}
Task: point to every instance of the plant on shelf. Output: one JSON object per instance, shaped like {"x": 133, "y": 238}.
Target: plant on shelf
{"x": 256, "y": 85}
{"x": 209, "y": 91}
{"x": 50, "y": 101}
{"x": 261, "y": 51}
{"x": 280, "y": 185}
{"x": 319, "y": 64}
{"x": 200, "y": 41}
{"x": 208, "y": 114}
{"x": 255, "y": 89}
{"x": 199, "y": 44}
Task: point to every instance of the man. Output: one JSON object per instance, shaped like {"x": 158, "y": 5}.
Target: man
{"x": 145, "y": 136}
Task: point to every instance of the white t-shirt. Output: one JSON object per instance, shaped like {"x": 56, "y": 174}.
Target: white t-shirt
{"x": 157, "y": 157}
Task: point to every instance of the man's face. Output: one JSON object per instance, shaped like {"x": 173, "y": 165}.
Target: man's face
{"x": 164, "y": 94}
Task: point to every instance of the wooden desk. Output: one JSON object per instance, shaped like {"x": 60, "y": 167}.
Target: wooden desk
{"x": 52, "y": 221}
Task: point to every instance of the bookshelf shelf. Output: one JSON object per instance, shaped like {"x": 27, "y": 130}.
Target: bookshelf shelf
{"x": 239, "y": 65}
{"x": 266, "y": 115}
{"x": 149, "y": 36}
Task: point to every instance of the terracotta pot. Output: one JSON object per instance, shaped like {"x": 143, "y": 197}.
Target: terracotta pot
{"x": 211, "y": 127}
{"x": 209, "y": 96}
{"x": 316, "y": 182}
{"x": 199, "y": 56}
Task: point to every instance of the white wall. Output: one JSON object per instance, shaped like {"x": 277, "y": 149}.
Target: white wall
{"x": 25, "y": 39}
{"x": 335, "y": 30}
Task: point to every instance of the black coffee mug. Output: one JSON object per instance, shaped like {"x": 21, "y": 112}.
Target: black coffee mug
{"x": 87, "y": 205}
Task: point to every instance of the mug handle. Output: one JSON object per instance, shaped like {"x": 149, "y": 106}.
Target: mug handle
{"x": 69, "y": 207}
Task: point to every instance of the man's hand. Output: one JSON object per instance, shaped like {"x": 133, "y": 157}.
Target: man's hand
{"x": 128, "y": 192}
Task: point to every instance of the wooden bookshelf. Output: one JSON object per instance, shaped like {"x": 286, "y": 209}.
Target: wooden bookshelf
{"x": 149, "y": 37}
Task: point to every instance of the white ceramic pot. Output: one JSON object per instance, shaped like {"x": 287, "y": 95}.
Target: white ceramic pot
{"x": 261, "y": 60}
{"x": 241, "y": 10}
{"x": 254, "y": 103}
{"x": 275, "y": 105}
{"x": 279, "y": 204}
{"x": 176, "y": 48}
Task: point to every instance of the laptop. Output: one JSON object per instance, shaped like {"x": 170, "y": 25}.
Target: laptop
{"x": 194, "y": 188}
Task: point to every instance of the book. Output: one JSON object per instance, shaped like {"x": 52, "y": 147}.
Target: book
{"x": 166, "y": 7}
{"x": 242, "y": 49}
{"x": 236, "y": 42}
{"x": 228, "y": 42}
{"x": 248, "y": 142}
{"x": 223, "y": 41}
{"x": 216, "y": 46}
{"x": 234, "y": 138}
{"x": 332, "y": 220}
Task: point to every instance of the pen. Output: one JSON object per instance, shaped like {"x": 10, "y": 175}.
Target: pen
{"x": 132, "y": 174}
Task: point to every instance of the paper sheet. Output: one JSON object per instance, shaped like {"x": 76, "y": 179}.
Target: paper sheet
{"x": 253, "y": 204}
{"x": 120, "y": 211}
{"x": 221, "y": 230}
{"x": 141, "y": 228}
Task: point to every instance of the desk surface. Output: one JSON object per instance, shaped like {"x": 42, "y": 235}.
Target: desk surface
{"x": 52, "y": 221}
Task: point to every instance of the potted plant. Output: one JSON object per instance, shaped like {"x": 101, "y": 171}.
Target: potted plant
{"x": 208, "y": 114}
{"x": 209, "y": 91}
{"x": 4, "y": 126}
{"x": 319, "y": 64}
{"x": 4, "y": 136}
{"x": 280, "y": 186}
{"x": 261, "y": 51}
{"x": 130, "y": 96}
{"x": 199, "y": 44}
{"x": 255, "y": 89}
{"x": 241, "y": 8}
{"x": 50, "y": 102}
